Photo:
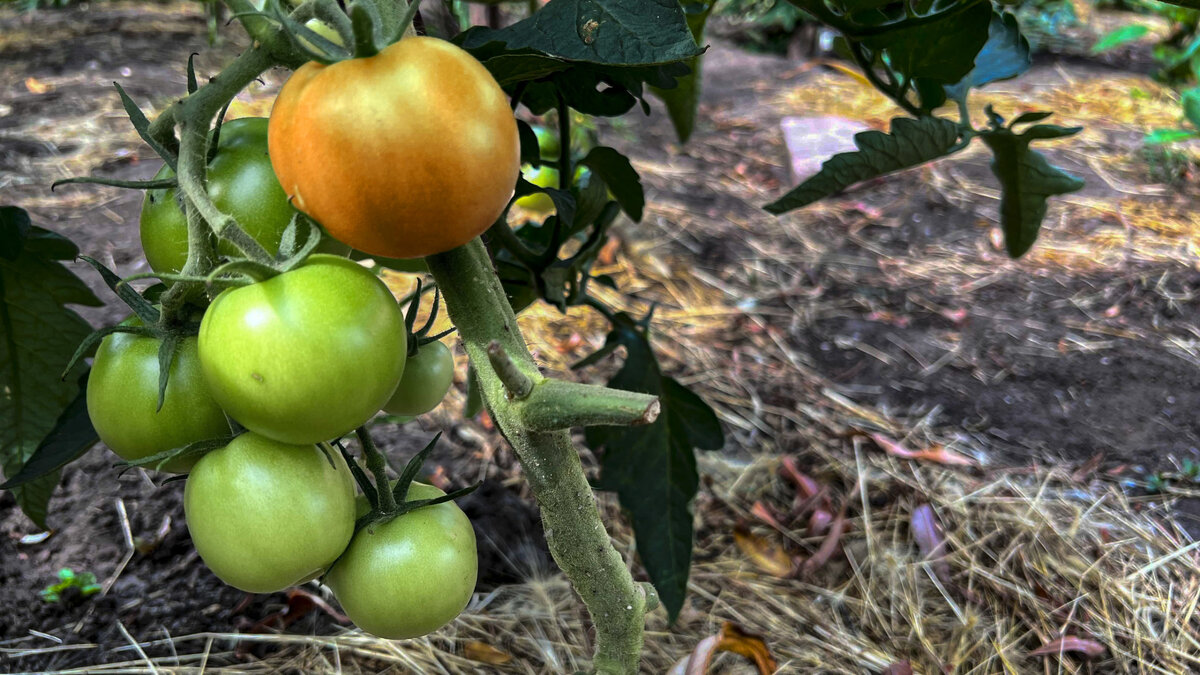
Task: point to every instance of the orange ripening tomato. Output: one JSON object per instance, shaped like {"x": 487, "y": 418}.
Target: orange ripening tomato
{"x": 410, "y": 152}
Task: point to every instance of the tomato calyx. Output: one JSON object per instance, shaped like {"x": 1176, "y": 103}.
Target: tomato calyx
{"x": 360, "y": 26}
{"x": 419, "y": 338}
{"x": 194, "y": 449}
{"x": 388, "y": 500}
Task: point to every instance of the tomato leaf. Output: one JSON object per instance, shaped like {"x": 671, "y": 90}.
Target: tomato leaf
{"x": 652, "y": 468}
{"x": 1027, "y": 180}
{"x": 621, "y": 178}
{"x": 943, "y": 49}
{"x": 38, "y": 334}
{"x": 598, "y": 54}
{"x": 683, "y": 99}
{"x": 608, "y": 32}
{"x": 1004, "y": 56}
{"x": 71, "y": 436}
{"x": 911, "y": 142}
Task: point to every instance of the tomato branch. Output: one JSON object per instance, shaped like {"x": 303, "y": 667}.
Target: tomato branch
{"x": 575, "y": 532}
{"x": 559, "y": 404}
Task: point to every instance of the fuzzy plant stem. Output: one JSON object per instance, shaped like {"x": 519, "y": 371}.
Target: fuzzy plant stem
{"x": 574, "y": 531}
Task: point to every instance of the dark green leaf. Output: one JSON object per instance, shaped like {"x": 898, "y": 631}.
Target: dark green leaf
{"x": 683, "y": 99}
{"x": 1049, "y": 131}
{"x": 14, "y": 230}
{"x": 944, "y": 49}
{"x": 911, "y": 142}
{"x": 1004, "y": 56}
{"x": 1120, "y": 36}
{"x": 1030, "y": 118}
{"x": 71, "y": 436}
{"x": 931, "y": 93}
{"x": 529, "y": 144}
{"x": 38, "y": 334}
{"x": 653, "y": 468}
{"x": 619, "y": 175}
{"x": 1026, "y": 181}
{"x": 609, "y": 32}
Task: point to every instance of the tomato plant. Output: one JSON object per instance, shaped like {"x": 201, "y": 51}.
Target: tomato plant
{"x": 123, "y": 399}
{"x": 428, "y": 375}
{"x": 266, "y": 515}
{"x": 410, "y": 575}
{"x": 353, "y": 145}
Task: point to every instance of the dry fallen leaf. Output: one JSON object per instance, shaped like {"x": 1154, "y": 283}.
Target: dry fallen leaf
{"x": 937, "y": 453}
{"x": 608, "y": 252}
{"x": 765, "y": 554}
{"x": 1070, "y": 643}
{"x": 767, "y": 515}
{"x": 485, "y": 653}
{"x": 730, "y": 639}
{"x": 805, "y": 484}
{"x": 36, "y": 87}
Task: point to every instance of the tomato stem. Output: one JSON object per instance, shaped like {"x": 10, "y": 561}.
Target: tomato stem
{"x": 575, "y": 533}
{"x": 377, "y": 465}
{"x": 564, "y": 143}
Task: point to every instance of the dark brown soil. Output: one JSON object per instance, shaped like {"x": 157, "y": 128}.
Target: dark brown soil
{"x": 980, "y": 363}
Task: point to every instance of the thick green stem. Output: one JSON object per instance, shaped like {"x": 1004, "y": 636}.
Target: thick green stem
{"x": 574, "y": 531}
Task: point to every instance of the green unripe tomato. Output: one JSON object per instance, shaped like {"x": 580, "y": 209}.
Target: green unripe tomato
{"x": 427, "y": 377}
{"x": 410, "y": 575}
{"x": 242, "y": 184}
{"x": 266, "y": 515}
{"x": 543, "y": 176}
{"x": 305, "y": 356}
{"x": 122, "y": 399}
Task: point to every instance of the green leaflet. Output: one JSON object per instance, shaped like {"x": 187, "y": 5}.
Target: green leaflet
{"x": 912, "y": 142}
{"x": 38, "y": 335}
{"x": 1027, "y": 180}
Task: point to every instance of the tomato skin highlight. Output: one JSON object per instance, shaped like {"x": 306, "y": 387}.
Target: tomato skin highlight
{"x": 122, "y": 400}
{"x": 265, "y": 515}
{"x": 410, "y": 152}
{"x": 411, "y": 575}
{"x": 305, "y": 356}
{"x": 427, "y": 377}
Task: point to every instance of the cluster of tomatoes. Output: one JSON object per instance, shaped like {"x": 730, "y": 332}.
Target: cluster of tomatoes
{"x": 310, "y": 354}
